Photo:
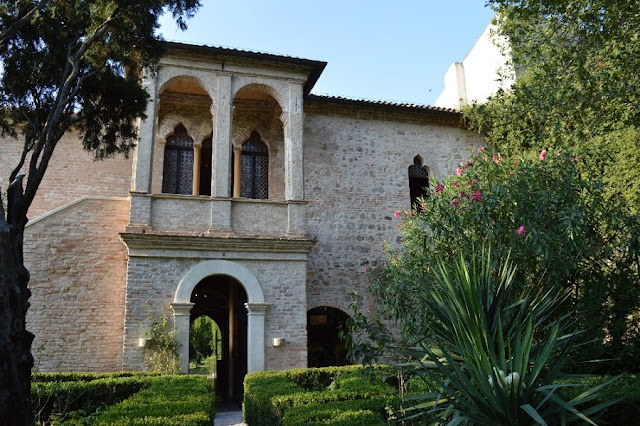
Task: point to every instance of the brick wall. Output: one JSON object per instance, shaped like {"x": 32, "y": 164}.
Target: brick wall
{"x": 72, "y": 173}
{"x": 78, "y": 267}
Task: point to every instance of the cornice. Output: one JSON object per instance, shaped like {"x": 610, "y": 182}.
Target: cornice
{"x": 217, "y": 243}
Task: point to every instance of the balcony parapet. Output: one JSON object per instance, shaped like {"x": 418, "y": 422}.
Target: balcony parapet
{"x": 204, "y": 215}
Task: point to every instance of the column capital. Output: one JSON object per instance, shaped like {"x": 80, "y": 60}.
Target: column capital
{"x": 256, "y": 308}
{"x": 181, "y": 309}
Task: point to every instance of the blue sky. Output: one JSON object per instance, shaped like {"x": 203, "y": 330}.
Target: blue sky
{"x": 380, "y": 50}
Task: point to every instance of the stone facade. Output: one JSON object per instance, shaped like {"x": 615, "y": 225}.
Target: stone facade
{"x": 103, "y": 257}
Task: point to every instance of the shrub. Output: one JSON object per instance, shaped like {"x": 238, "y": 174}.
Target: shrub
{"x": 270, "y": 396}
{"x": 557, "y": 221}
{"x": 364, "y": 412}
{"x": 66, "y": 399}
{"x": 169, "y": 400}
{"x": 162, "y": 347}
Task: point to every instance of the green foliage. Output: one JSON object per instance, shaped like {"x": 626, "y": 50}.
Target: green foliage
{"x": 316, "y": 395}
{"x": 205, "y": 339}
{"x": 495, "y": 351}
{"x": 571, "y": 236}
{"x": 626, "y": 389}
{"x": 55, "y": 401}
{"x": 83, "y": 376}
{"x": 361, "y": 412}
{"x": 162, "y": 354}
{"x": 169, "y": 400}
{"x": 578, "y": 79}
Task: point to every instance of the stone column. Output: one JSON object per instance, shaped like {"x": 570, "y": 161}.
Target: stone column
{"x": 293, "y": 149}
{"x": 255, "y": 336}
{"x": 221, "y": 143}
{"x": 143, "y": 157}
{"x": 237, "y": 158}
{"x": 196, "y": 170}
{"x": 181, "y": 317}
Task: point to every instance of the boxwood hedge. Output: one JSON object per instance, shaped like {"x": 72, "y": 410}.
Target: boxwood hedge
{"x": 334, "y": 395}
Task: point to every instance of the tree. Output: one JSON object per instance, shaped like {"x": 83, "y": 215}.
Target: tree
{"x": 67, "y": 66}
{"x": 578, "y": 85}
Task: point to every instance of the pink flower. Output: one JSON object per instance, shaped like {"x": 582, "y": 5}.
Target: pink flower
{"x": 480, "y": 149}
{"x": 397, "y": 213}
{"x": 461, "y": 194}
{"x": 459, "y": 171}
{"x": 366, "y": 269}
{"x": 521, "y": 230}
{"x": 368, "y": 309}
{"x": 574, "y": 159}
{"x": 439, "y": 189}
{"x": 456, "y": 185}
{"x": 454, "y": 202}
{"x": 477, "y": 196}
{"x": 407, "y": 212}
{"x": 543, "y": 155}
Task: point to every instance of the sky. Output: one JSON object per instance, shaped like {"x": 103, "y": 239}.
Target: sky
{"x": 394, "y": 50}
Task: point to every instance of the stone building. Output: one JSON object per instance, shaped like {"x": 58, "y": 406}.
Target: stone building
{"x": 248, "y": 199}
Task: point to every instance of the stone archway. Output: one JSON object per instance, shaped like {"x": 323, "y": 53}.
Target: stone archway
{"x": 256, "y": 308}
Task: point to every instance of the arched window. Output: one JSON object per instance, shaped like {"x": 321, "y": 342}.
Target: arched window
{"x": 254, "y": 171}
{"x": 418, "y": 180}
{"x": 177, "y": 175}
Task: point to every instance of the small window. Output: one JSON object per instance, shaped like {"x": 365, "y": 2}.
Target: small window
{"x": 205, "y": 167}
{"x": 254, "y": 169}
{"x": 177, "y": 175}
{"x": 418, "y": 180}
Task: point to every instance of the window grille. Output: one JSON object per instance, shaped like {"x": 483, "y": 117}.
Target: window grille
{"x": 254, "y": 166}
{"x": 418, "y": 180}
{"x": 177, "y": 176}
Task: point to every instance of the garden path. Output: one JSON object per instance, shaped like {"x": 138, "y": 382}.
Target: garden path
{"x": 228, "y": 415}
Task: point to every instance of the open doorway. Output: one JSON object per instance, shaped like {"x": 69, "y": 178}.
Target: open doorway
{"x": 324, "y": 346}
{"x": 221, "y": 298}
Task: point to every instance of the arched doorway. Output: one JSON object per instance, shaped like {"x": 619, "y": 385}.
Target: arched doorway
{"x": 222, "y": 298}
{"x": 255, "y": 308}
{"x": 324, "y": 347}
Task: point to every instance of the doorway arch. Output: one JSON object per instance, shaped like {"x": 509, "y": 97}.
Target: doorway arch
{"x": 324, "y": 346}
{"x": 256, "y": 309}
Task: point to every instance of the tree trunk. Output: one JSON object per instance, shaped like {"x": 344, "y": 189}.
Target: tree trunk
{"x": 16, "y": 360}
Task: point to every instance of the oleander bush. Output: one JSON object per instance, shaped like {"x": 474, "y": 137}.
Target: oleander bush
{"x": 557, "y": 221}
{"x": 350, "y": 395}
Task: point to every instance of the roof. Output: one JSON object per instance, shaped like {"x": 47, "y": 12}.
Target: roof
{"x": 387, "y": 105}
{"x": 316, "y": 67}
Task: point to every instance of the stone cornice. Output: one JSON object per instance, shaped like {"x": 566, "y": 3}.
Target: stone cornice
{"x": 217, "y": 243}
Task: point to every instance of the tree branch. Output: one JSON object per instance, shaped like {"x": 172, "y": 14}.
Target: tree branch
{"x": 10, "y": 32}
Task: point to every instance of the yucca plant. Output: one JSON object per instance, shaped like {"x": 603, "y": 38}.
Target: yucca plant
{"x": 495, "y": 352}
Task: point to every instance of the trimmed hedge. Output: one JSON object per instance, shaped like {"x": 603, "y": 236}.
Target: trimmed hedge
{"x": 84, "y": 376}
{"x": 348, "y": 395}
{"x": 59, "y": 401}
{"x": 169, "y": 400}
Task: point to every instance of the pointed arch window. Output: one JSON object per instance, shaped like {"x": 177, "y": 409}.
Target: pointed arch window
{"x": 177, "y": 174}
{"x": 254, "y": 172}
{"x": 418, "y": 180}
